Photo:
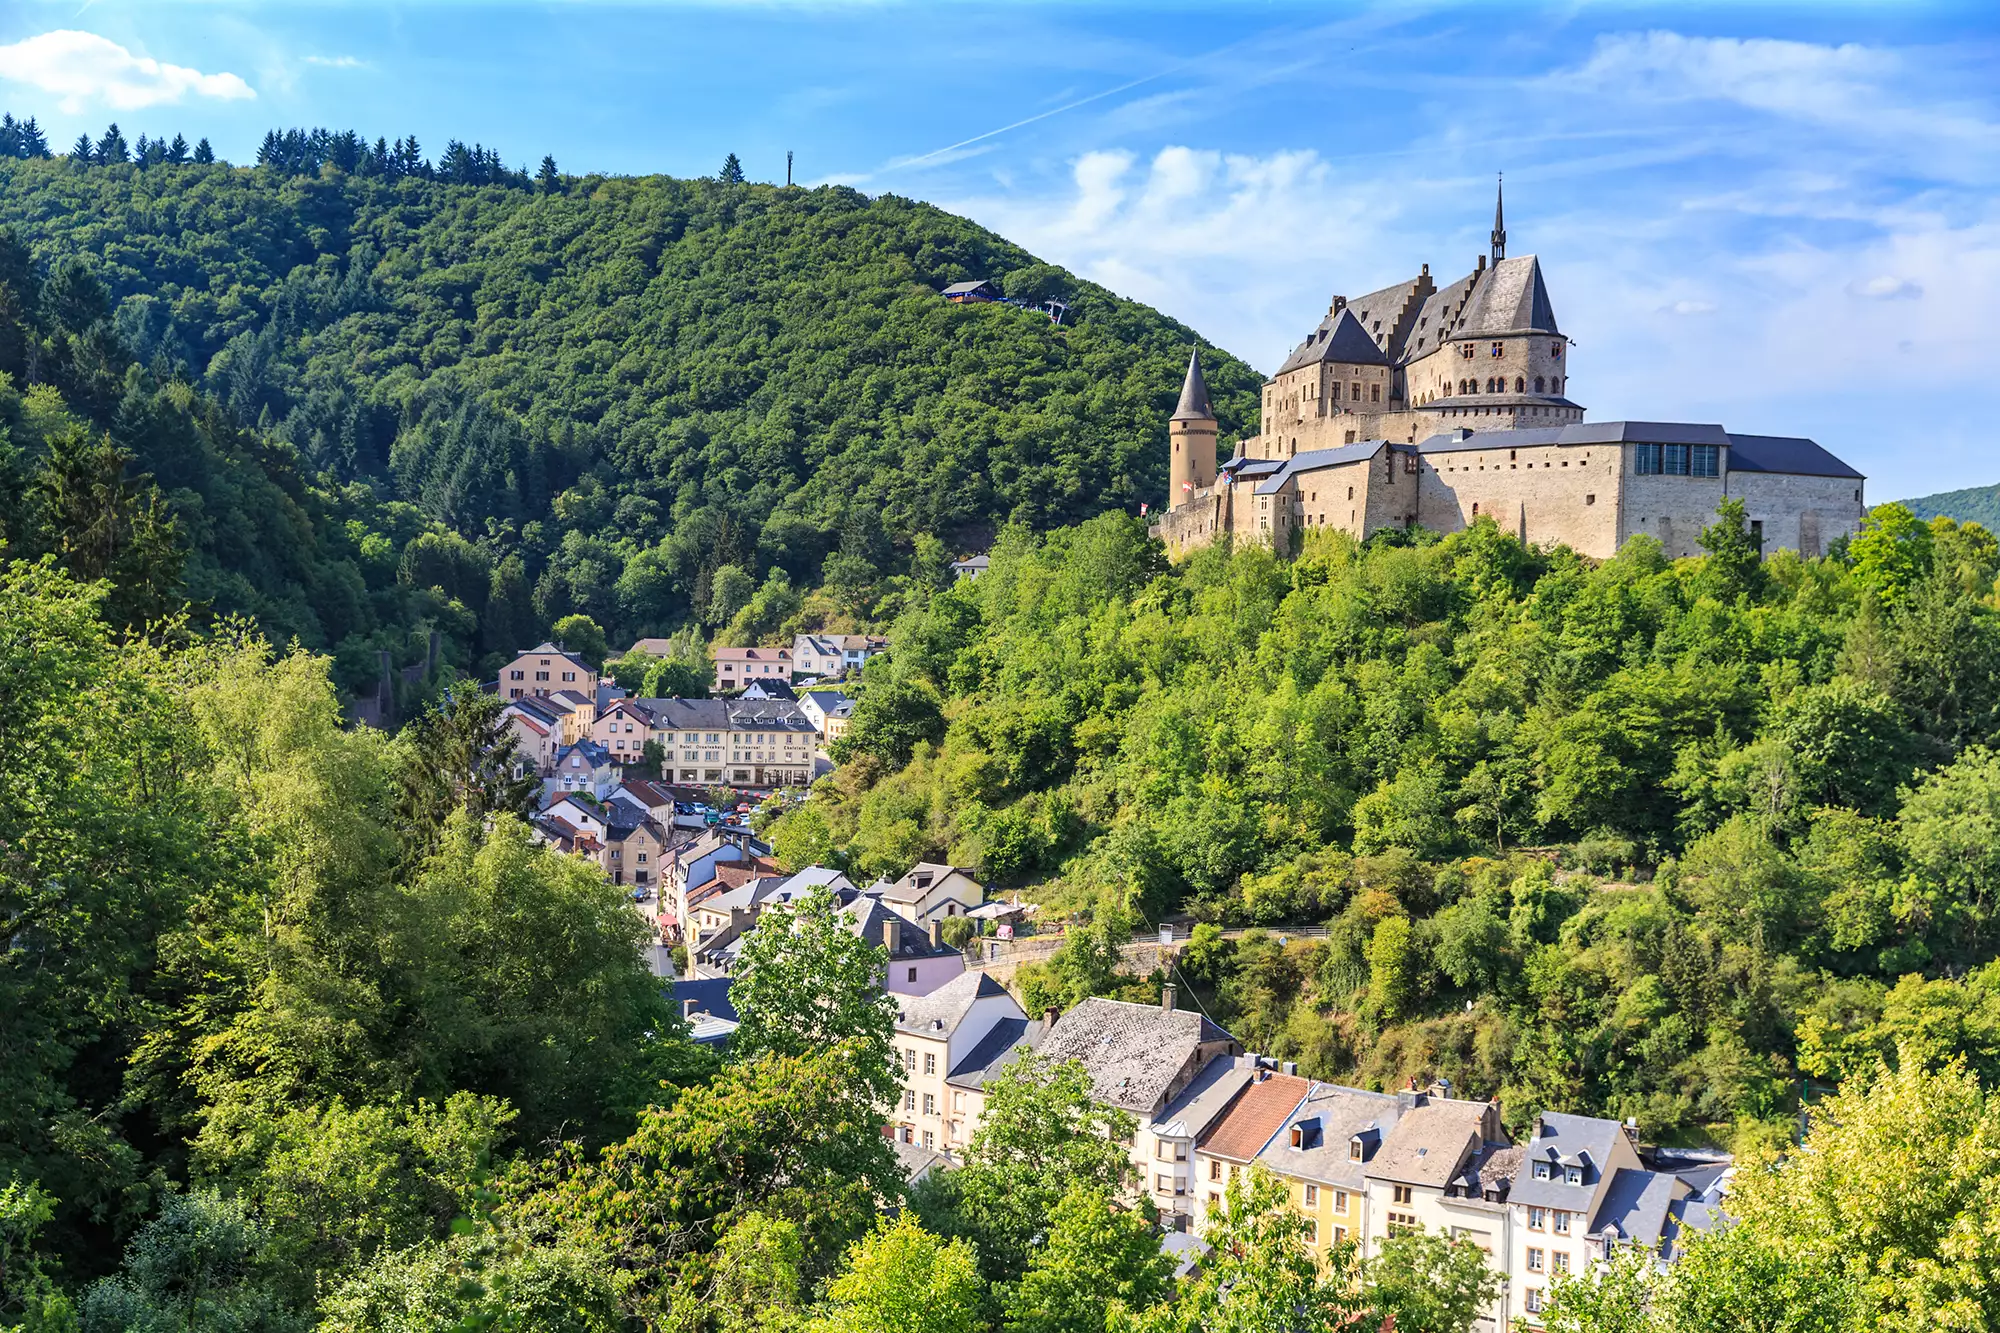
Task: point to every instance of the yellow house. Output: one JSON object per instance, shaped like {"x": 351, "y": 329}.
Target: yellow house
{"x": 1322, "y": 1153}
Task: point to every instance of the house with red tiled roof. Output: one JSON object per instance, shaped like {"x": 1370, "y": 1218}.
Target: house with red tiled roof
{"x": 1232, "y": 1141}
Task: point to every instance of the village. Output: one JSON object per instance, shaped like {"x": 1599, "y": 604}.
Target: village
{"x": 1360, "y": 1166}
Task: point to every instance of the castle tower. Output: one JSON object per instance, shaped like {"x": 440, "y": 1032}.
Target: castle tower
{"x": 1191, "y": 439}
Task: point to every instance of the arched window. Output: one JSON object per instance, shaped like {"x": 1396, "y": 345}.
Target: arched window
{"x": 1520, "y": 384}
{"x": 1538, "y": 383}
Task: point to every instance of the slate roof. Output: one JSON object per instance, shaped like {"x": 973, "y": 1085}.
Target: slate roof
{"x": 711, "y": 996}
{"x": 1384, "y": 305}
{"x": 1637, "y": 1203}
{"x": 1493, "y": 1169}
{"x": 1575, "y": 434}
{"x": 1193, "y": 405}
{"x": 1314, "y": 459}
{"x": 1332, "y": 1115}
{"x": 968, "y": 287}
{"x": 1511, "y": 298}
{"x": 1440, "y": 311}
{"x": 1785, "y": 453}
{"x": 1339, "y": 338}
{"x": 545, "y": 648}
{"x": 996, "y": 1050}
{"x": 1132, "y": 1051}
{"x": 1258, "y": 1112}
{"x": 1565, "y": 1140}
{"x": 1431, "y": 1143}
{"x": 906, "y": 889}
{"x": 1186, "y": 1249}
{"x": 1701, "y": 1211}
{"x": 867, "y": 918}
{"x": 939, "y": 1013}
{"x": 1195, "y": 1108}
{"x": 917, "y": 1161}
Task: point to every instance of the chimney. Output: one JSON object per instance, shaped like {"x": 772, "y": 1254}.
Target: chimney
{"x": 937, "y": 933}
{"x": 1291, "y": 1067}
{"x": 889, "y": 932}
{"x": 1479, "y": 265}
{"x": 1049, "y": 1016}
{"x": 689, "y": 1008}
{"x": 1168, "y": 994}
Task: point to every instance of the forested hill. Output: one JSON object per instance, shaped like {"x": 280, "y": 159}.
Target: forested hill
{"x": 1975, "y": 504}
{"x": 630, "y": 383}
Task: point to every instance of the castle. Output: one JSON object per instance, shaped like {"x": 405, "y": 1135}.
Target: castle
{"x": 1428, "y": 406}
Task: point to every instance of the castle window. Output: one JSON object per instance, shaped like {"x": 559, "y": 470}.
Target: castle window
{"x": 1520, "y": 384}
{"x": 1538, "y": 384}
{"x": 1555, "y": 349}
{"x": 1646, "y": 460}
{"x": 1704, "y": 460}
{"x": 1354, "y": 391}
{"x": 1475, "y": 509}
{"x": 1499, "y": 348}
{"x": 1590, "y": 499}
{"x": 1675, "y": 460}
{"x": 1374, "y": 393}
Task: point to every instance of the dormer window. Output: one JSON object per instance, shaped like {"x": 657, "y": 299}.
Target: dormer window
{"x": 1541, "y": 1170}
{"x": 1573, "y": 1175}
{"x": 1298, "y": 1136}
{"x": 1354, "y": 1151}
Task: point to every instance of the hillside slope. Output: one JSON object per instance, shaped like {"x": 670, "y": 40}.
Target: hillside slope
{"x": 632, "y": 384}
{"x": 1975, "y": 504}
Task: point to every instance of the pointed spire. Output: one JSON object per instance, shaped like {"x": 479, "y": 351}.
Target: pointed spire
{"x": 1499, "y": 220}
{"x": 1194, "y": 394}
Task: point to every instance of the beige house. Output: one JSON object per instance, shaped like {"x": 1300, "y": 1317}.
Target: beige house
{"x": 738, "y": 742}
{"x": 942, "y": 1034}
{"x": 537, "y": 732}
{"x": 623, "y": 727}
{"x": 825, "y": 656}
{"x": 545, "y": 670}
{"x": 737, "y": 667}
{"x": 830, "y": 711}
{"x": 931, "y": 892}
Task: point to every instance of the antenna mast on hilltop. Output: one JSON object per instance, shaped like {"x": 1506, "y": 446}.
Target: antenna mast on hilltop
{"x": 788, "y": 168}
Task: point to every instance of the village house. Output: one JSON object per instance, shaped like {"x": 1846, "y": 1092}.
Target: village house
{"x": 830, "y": 712}
{"x": 583, "y": 767}
{"x": 622, "y": 729}
{"x": 741, "y": 742}
{"x": 1321, "y": 1153}
{"x": 930, "y": 892}
{"x": 545, "y": 670}
{"x": 537, "y": 732}
{"x": 634, "y": 852}
{"x": 826, "y": 656}
{"x": 1170, "y": 1178}
{"x": 1231, "y": 1143}
{"x": 737, "y": 667}
{"x": 937, "y": 1036}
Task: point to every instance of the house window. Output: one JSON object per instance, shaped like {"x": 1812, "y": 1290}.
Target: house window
{"x": 913, "y": 974}
{"x": 1340, "y": 1202}
{"x": 930, "y": 1139}
{"x": 910, "y": 1060}
{"x": 1573, "y": 1175}
{"x": 1561, "y": 1261}
{"x": 1705, "y": 460}
{"x": 1340, "y": 1235}
{"x": 930, "y": 1062}
{"x": 1541, "y": 1170}
{"x": 1533, "y": 1300}
{"x": 1538, "y": 1219}
{"x": 1374, "y": 393}
{"x": 1163, "y": 1184}
{"x": 1312, "y": 1196}
{"x": 930, "y": 1103}
{"x": 909, "y": 1099}
{"x": 1562, "y": 1222}
{"x": 1401, "y": 1222}
{"x": 1556, "y": 350}
{"x": 1354, "y": 1150}
{"x": 1499, "y": 349}
{"x": 1214, "y": 1170}
{"x": 1312, "y": 1231}
{"x": 1534, "y": 1260}
{"x": 1403, "y": 1194}
{"x": 517, "y": 675}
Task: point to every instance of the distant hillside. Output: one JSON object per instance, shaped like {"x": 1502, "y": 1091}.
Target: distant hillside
{"x": 646, "y": 389}
{"x": 1977, "y": 504}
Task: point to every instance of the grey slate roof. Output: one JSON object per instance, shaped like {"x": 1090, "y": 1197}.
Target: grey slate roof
{"x": 1493, "y": 1169}
{"x": 1314, "y": 459}
{"x": 1561, "y": 1141}
{"x": 1784, "y": 453}
{"x": 1576, "y": 433}
{"x": 1207, "y": 1097}
{"x": 917, "y": 1161}
{"x": 939, "y": 1013}
{"x": 996, "y": 1050}
{"x": 1637, "y": 1204}
{"x": 867, "y": 918}
{"x": 1440, "y": 311}
{"x": 1339, "y": 338}
{"x": 1431, "y": 1143}
{"x": 1193, "y": 405}
{"x": 1132, "y": 1051}
{"x": 1186, "y": 1249}
{"x": 1332, "y": 1115}
{"x": 1511, "y": 298}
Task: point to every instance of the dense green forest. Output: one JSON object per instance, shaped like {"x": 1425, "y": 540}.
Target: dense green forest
{"x": 1976, "y": 504}
{"x": 1648, "y": 838}
{"x": 637, "y": 399}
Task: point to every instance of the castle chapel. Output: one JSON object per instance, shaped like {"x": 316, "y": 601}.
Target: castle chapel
{"x": 1428, "y": 406}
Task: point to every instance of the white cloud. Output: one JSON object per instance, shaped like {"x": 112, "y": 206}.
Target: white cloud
{"x": 81, "y": 68}
{"x": 1691, "y": 308}
{"x": 335, "y": 62}
{"x": 1884, "y": 287}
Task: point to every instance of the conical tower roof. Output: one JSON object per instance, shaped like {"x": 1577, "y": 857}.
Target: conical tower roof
{"x": 1194, "y": 394}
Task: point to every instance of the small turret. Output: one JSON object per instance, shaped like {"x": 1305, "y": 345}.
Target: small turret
{"x": 1499, "y": 221}
{"x": 1190, "y": 438}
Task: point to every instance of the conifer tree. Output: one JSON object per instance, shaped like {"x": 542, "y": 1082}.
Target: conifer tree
{"x": 83, "y": 150}
{"x": 548, "y": 180}
{"x": 177, "y": 151}
{"x": 203, "y": 154}
{"x": 732, "y": 171}
{"x": 33, "y": 142}
{"x": 112, "y": 147}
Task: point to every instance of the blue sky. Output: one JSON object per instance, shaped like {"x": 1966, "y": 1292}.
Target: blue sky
{"x": 1782, "y": 218}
